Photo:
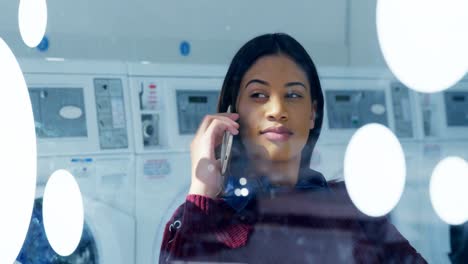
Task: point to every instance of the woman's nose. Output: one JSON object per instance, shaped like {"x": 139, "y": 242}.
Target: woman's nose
{"x": 277, "y": 110}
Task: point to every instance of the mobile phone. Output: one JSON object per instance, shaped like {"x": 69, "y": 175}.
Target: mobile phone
{"x": 226, "y": 146}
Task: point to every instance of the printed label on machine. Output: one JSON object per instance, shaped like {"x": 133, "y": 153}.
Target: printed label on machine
{"x": 432, "y": 150}
{"x": 154, "y": 169}
{"x": 84, "y": 171}
{"x": 82, "y": 167}
{"x": 149, "y": 99}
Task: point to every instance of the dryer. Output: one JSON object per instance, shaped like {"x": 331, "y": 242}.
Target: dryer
{"x": 444, "y": 122}
{"x": 441, "y": 122}
{"x": 108, "y": 233}
{"x": 355, "y": 97}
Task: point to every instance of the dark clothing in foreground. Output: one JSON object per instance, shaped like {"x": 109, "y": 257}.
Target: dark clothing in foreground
{"x": 459, "y": 243}
{"x": 314, "y": 222}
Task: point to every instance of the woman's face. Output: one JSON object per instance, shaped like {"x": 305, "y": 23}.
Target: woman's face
{"x": 275, "y": 109}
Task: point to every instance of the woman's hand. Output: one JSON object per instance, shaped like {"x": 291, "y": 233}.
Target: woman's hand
{"x": 206, "y": 170}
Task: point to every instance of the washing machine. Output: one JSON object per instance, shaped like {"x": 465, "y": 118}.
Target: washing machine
{"x": 444, "y": 122}
{"x": 355, "y": 97}
{"x": 109, "y": 227}
{"x": 168, "y": 103}
{"x": 83, "y": 126}
{"x": 455, "y": 111}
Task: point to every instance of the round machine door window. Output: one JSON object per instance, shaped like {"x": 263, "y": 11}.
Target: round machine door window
{"x": 36, "y": 248}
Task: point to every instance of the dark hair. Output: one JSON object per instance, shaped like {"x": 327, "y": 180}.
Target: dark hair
{"x": 274, "y": 44}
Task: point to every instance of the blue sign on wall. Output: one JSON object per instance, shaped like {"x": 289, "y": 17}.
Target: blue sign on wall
{"x": 184, "y": 48}
{"x": 43, "y": 45}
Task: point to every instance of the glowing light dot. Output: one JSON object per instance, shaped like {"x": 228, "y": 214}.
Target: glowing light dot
{"x": 374, "y": 170}
{"x": 211, "y": 168}
{"x": 237, "y": 192}
{"x": 32, "y": 20}
{"x": 426, "y": 54}
{"x": 245, "y": 192}
{"x": 63, "y": 212}
{"x": 17, "y": 155}
{"x": 447, "y": 190}
{"x": 243, "y": 181}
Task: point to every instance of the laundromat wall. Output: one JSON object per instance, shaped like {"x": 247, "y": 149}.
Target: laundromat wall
{"x": 129, "y": 149}
{"x": 153, "y": 30}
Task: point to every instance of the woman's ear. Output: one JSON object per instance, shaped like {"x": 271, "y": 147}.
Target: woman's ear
{"x": 313, "y": 115}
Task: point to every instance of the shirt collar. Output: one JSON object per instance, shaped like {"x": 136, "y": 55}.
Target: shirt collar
{"x": 238, "y": 193}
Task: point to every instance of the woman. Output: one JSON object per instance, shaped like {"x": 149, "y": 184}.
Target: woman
{"x": 273, "y": 209}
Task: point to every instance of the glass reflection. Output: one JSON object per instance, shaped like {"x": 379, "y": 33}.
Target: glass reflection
{"x": 138, "y": 96}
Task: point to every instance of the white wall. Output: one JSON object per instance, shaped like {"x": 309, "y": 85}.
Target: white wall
{"x": 335, "y": 32}
{"x": 364, "y": 47}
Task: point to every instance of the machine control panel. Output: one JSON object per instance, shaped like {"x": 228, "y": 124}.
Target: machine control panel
{"x": 430, "y": 110}
{"x": 349, "y": 109}
{"x": 456, "y": 108}
{"x": 110, "y": 109}
{"x": 402, "y": 110}
{"x": 58, "y": 112}
{"x": 192, "y": 106}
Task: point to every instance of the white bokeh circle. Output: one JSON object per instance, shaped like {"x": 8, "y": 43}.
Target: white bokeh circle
{"x": 448, "y": 190}
{"x": 424, "y": 42}
{"x": 32, "y": 21}
{"x": 18, "y": 157}
{"x": 63, "y": 212}
{"x": 374, "y": 170}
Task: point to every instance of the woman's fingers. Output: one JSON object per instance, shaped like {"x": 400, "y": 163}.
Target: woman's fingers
{"x": 222, "y": 116}
{"x": 215, "y": 131}
{"x": 206, "y": 170}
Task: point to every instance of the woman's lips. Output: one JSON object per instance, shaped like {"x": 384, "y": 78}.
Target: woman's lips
{"x": 280, "y": 133}
{"x": 273, "y": 136}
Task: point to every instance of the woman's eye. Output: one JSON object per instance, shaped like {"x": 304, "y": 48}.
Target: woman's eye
{"x": 258, "y": 95}
{"x": 294, "y": 95}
